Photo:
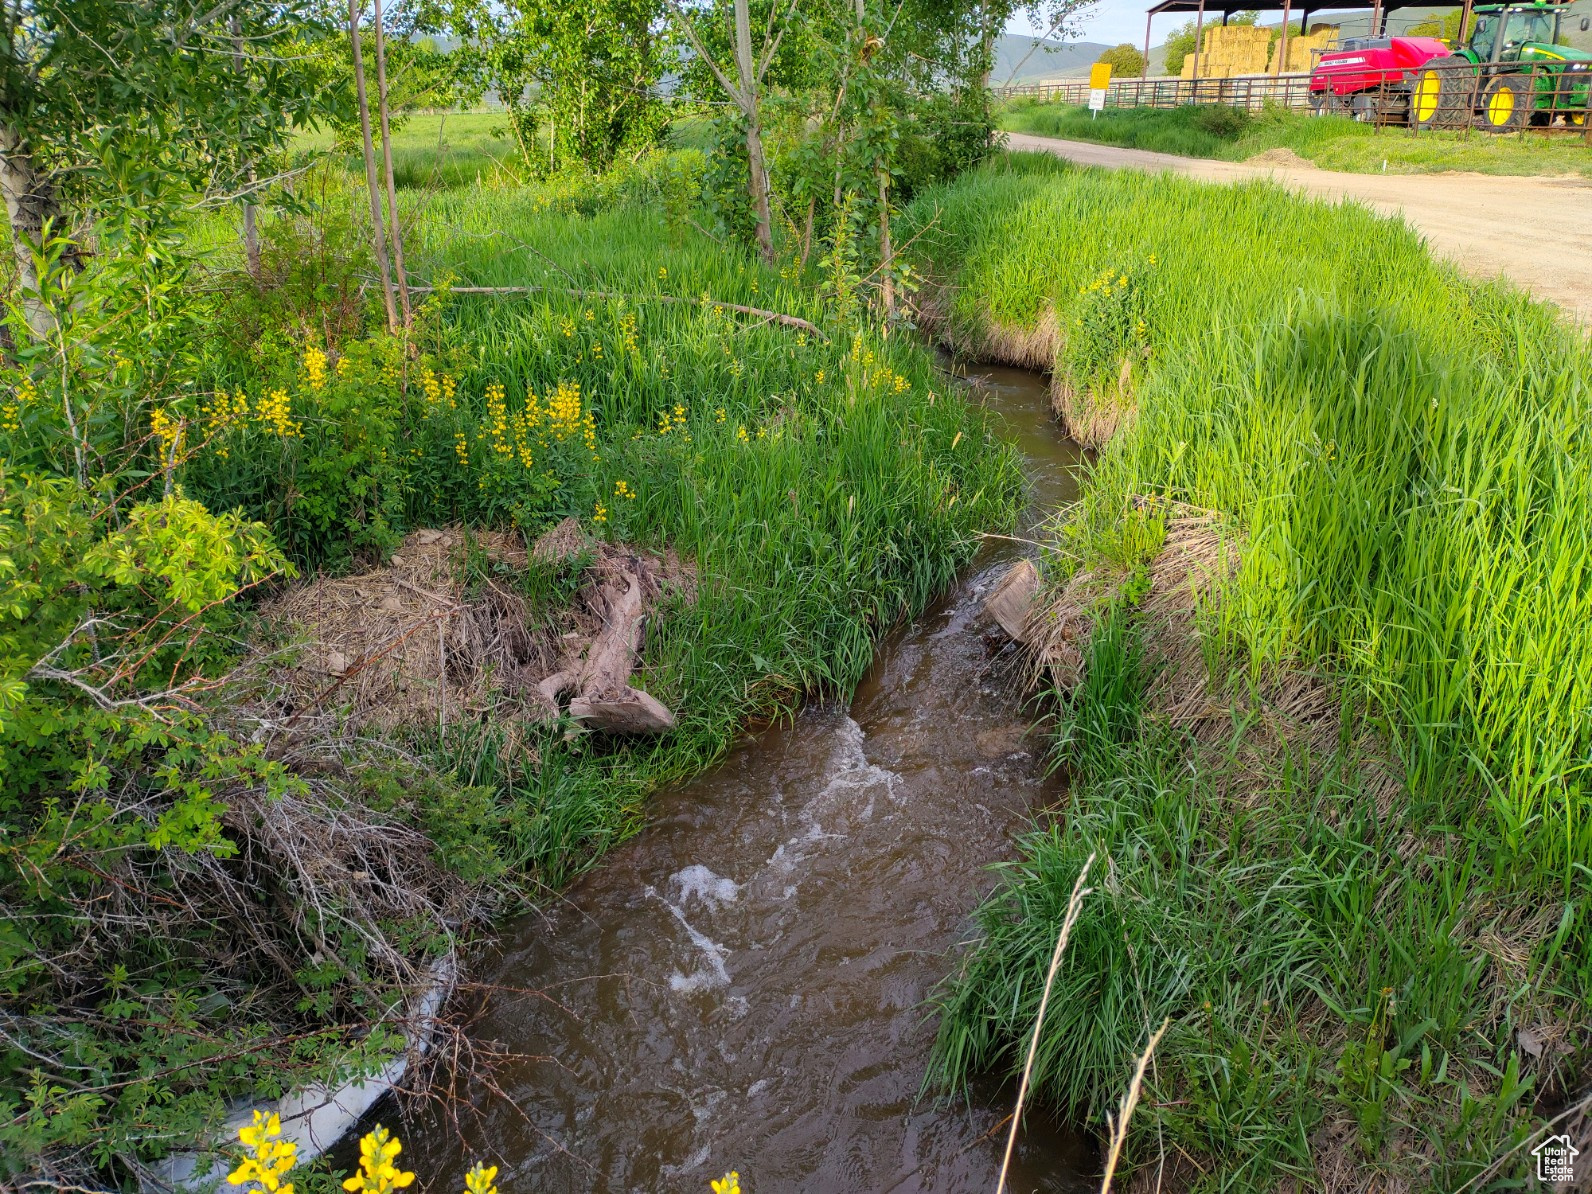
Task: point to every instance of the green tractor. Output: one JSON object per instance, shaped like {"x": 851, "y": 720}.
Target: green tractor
{"x": 1511, "y": 72}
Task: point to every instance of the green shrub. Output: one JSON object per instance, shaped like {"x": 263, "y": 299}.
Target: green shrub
{"x": 1220, "y": 120}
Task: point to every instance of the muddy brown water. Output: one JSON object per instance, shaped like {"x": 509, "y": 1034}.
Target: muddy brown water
{"x": 742, "y": 985}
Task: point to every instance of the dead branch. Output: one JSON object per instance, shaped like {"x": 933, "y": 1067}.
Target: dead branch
{"x": 779, "y": 317}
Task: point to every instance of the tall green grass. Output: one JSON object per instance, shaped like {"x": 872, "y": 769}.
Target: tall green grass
{"x": 1329, "y": 969}
{"x": 442, "y": 150}
{"x": 1399, "y": 454}
{"x": 1399, "y": 445}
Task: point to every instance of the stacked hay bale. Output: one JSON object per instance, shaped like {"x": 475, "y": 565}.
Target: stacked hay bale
{"x": 1231, "y": 50}
{"x": 1300, "y": 48}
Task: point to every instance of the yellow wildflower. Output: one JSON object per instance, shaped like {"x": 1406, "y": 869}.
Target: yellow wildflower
{"x": 497, "y": 420}
{"x": 599, "y": 512}
{"x": 461, "y": 449}
{"x": 564, "y": 410}
{"x": 431, "y": 387}
{"x": 479, "y": 1180}
{"x": 730, "y": 1183}
{"x": 622, "y": 490}
{"x": 662, "y": 272}
{"x": 315, "y": 368}
{"x": 819, "y": 377}
{"x": 172, "y": 433}
{"x": 24, "y": 394}
{"x": 718, "y": 415}
{"x": 274, "y": 413}
{"x": 740, "y": 434}
{"x": 268, "y": 1158}
{"x": 378, "y": 1173}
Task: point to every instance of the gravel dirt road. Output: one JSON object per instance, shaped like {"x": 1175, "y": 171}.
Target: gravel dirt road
{"x": 1535, "y": 231}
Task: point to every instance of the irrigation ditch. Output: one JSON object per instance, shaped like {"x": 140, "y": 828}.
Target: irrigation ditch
{"x": 742, "y": 985}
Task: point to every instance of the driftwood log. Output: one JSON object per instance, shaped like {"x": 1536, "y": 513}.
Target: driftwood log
{"x": 596, "y": 674}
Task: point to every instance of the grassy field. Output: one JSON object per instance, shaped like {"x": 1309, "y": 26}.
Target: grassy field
{"x": 1331, "y": 142}
{"x": 454, "y": 149}
{"x": 1325, "y": 798}
{"x": 447, "y": 150}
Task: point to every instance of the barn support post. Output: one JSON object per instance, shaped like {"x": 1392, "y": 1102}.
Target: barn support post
{"x": 1282, "y": 46}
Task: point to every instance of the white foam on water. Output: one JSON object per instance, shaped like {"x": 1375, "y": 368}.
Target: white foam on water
{"x": 694, "y": 1162}
{"x": 849, "y": 795}
{"x": 714, "y": 974}
{"x": 703, "y": 884}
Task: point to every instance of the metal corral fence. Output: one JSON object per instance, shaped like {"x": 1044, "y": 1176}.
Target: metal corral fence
{"x": 1496, "y": 98}
{"x": 1250, "y": 92}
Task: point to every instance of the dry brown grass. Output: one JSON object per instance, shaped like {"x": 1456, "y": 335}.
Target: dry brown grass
{"x": 1090, "y": 416}
{"x": 413, "y": 643}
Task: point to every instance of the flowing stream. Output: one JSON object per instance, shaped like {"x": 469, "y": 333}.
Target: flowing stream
{"x": 742, "y": 985}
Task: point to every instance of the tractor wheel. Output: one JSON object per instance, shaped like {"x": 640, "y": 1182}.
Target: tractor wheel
{"x": 1505, "y": 104}
{"x": 1441, "y": 97}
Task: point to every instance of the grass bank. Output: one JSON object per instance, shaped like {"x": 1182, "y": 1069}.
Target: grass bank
{"x": 1317, "y": 630}
{"x": 1331, "y": 142}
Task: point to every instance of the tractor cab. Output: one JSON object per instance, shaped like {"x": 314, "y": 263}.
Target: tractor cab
{"x": 1509, "y": 73}
{"x": 1513, "y": 33}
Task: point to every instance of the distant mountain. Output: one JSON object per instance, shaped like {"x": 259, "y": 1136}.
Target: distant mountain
{"x": 1052, "y": 60}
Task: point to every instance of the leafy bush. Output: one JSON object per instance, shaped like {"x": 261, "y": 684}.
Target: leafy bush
{"x": 1221, "y": 120}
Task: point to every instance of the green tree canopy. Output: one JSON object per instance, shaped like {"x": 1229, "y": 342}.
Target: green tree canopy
{"x": 123, "y": 101}
{"x": 1125, "y": 59}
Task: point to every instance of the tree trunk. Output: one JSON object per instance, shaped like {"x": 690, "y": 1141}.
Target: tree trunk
{"x": 756, "y": 167}
{"x": 987, "y": 51}
{"x": 386, "y": 159}
{"x": 30, "y": 202}
{"x": 251, "y": 234}
{"x": 759, "y": 172}
{"x": 378, "y": 230}
{"x": 886, "y": 251}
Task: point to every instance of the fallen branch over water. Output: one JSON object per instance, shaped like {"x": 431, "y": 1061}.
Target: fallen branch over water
{"x": 779, "y": 317}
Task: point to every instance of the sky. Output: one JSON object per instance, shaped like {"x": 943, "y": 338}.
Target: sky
{"x": 1111, "y": 21}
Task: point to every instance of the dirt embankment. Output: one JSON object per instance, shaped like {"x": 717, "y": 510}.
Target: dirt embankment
{"x": 1533, "y": 231}
{"x": 432, "y": 638}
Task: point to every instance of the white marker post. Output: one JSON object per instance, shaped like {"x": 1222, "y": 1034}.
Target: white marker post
{"x": 1099, "y": 80}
